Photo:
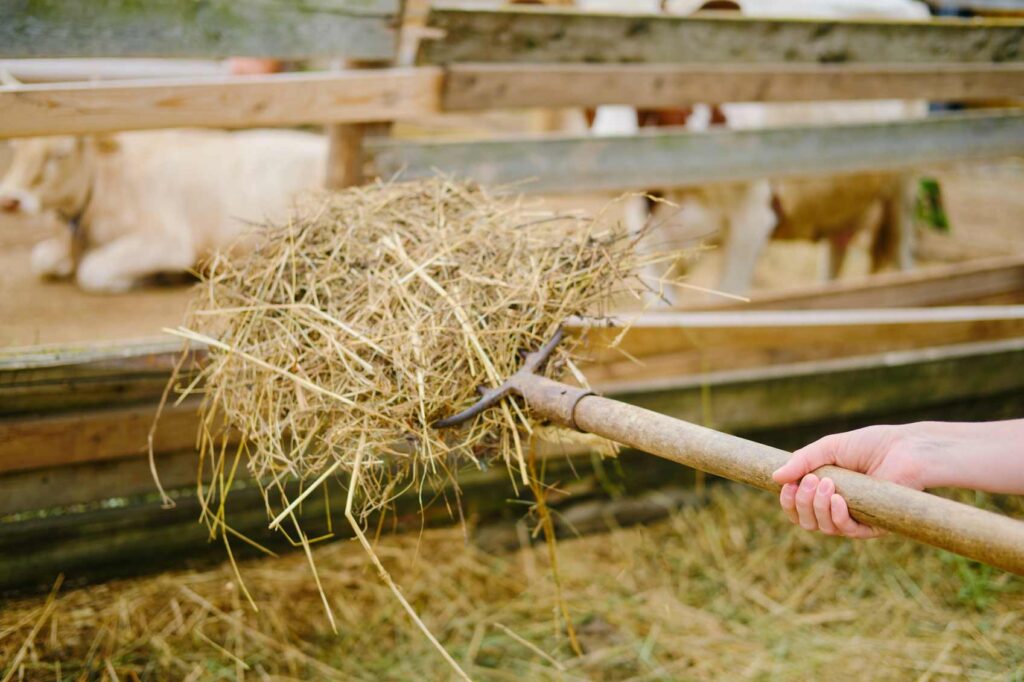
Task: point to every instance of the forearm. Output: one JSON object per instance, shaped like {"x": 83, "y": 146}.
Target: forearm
{"x": 986, "y": 456}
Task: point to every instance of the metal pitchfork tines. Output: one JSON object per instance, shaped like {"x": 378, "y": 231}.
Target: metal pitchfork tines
{"x": 972, "y": 532}
{"x": 554, "y": 399}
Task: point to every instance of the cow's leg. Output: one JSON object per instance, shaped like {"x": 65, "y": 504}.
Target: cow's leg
{"x": 905, "y": 222}
{"x": 751, "y": 221}
{"x": 894, "y": 242}
{"x": 838, "y": 246}
{"x": 52, "y": 258}
{"x": 119, "y": 265}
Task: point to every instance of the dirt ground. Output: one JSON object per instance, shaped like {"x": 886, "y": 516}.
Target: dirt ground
{"x": 985, "y": 204}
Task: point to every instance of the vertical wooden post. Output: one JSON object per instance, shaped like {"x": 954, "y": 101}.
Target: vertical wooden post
{"x": 345, "y": 151}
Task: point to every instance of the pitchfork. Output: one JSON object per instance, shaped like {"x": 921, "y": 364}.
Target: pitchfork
{"x": 960, "y": 528}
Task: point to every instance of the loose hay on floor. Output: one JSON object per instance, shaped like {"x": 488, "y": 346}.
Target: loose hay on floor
{"x": 729, "y": 590}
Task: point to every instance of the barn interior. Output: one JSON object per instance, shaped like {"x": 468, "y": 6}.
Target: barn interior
{"x": 110, "y": 567}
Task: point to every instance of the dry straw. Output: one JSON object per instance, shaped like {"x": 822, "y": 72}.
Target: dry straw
{"x": 372, "y": 313}
{"x": 726, "y": 590}
{"x": 378, "y": 310}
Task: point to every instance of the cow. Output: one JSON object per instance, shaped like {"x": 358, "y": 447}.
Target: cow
{"x": 745, "y": 215}
{"x": 143, "y": 203}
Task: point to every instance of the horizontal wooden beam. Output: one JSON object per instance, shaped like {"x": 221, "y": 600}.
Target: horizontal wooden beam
{"x": 48, "y": 380}
{"x": 528, "y": 35}
{"x": 94, "y": 435}
{"x": 90, "y": 482}
{"x": 667, "y": 344}
{"x": 835, "y": 389}
{"x": 508, "y": 86}
{"x": 223, "y": 102}
{"x": 664, "y": 158}
{"x": 990, "y": 280}
{"x": 65, "y": 70}
{"x": 354, "y": 29}
{"x": 683, "y": 344}
{"x": 737, "y": 401}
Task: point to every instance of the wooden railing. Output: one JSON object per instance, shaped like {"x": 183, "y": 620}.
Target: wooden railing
{"x": 73, "y": 425}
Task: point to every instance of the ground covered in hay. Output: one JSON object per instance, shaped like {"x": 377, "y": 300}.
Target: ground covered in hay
{"x": 726, "y": 590}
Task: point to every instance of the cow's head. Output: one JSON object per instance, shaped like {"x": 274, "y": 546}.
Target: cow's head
{"x": 49, "y": 174}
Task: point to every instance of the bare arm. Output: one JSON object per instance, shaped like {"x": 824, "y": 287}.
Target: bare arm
{"x": 985, "y": 456}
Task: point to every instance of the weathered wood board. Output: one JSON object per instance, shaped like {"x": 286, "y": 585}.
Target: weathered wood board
{"x": 664, "y": 158}
{"x": 996, "y": 280}
{"x": 473, "y": 87}
{"x": 100, "y": 462}
{"x": 360, "y": 29}
{"x": 223, "y": 102}
{"x": 529, "y": 35}
{"x": 687, "y": 344}
{"x": 975, "y": 381}
{"x": 54, "y": 379}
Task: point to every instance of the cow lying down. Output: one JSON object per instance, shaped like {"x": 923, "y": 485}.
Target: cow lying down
{"x": 139, "y": 204}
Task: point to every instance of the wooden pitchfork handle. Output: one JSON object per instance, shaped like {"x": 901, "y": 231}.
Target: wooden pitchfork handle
{"x": 960, "y": 528}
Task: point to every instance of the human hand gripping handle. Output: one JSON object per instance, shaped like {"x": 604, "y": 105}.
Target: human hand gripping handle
{"x": 975, "y": 533}
{"x": 982, "y": 456}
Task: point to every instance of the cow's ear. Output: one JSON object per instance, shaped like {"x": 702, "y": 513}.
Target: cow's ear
{"x": 106, "y": 144}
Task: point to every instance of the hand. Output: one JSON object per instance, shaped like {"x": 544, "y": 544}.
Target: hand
{"x": 890, "y": 453}
{"x": 985, "y": 456}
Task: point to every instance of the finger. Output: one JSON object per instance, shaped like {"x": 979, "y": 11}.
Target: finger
{"x": 809, "y": 458}
{"x": 787, "y": 498}
{"x": 845, "y": 523}
{"x": 823, "y": 506}
{"x": 805, "y": 502}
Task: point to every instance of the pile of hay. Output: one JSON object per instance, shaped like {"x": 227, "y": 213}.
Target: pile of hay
{"x": 378, "y": 310}
{"x": 729, "y": 590}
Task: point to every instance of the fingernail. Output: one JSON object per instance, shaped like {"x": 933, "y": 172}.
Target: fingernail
{"x": 827, "y": 487}
{"x": 809, "y": 483}
{"x": 789, "y": 488}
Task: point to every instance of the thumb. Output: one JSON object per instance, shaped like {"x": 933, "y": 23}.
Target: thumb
{"x": 808, "y": 458}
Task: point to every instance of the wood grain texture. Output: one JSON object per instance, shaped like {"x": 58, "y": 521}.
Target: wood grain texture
{"x": 528, "y": 35}
{"x": 834, "y": 389}
{"x": 89, "y": 482}
{"x": 48, "y": 380}
{"x": 971, "y": 532}
{"x": 94, "y": 435}
{"x": 363, "y": 29}
{"x": 740, "y": 401}
{"x": 972, "y": 282}
{"x": 222, "y": 102}
{"x": 508, "y": 86}
{"x": 663, "y": 158}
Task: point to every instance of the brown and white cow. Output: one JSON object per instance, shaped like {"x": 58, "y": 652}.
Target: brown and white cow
{"x": 746, "y": 215}
{"x": 138, "y": 204}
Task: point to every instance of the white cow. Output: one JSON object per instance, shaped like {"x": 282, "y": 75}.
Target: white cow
{"x": 138, "y": 204}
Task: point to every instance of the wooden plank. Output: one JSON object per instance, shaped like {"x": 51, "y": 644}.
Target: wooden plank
{"x": 133, "y": 537}
{"x": 54, "y": 379}
{"x": 64, "y": 70}
{"x": 88, "y": 482}
{"x": 686, "y": 344}
{"x": 94, "y": 435}
{"x": 962, "y": 283}
{"x": 530, "y": 35}
{"x": 667, "y": 344}
{"x": 792, "y": 394}
{"x": 223, "y": 102}
{"x": 361, "y": 29}
{"x": 662, "y": 158}
{"x": 737, "y": 401}
{"x": 509, "y": 86}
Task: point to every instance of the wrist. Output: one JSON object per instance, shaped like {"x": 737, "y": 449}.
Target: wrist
{"x": 985, "y": 456}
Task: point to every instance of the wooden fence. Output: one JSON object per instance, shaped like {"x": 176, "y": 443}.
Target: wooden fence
{"x": 73, "y": 423}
